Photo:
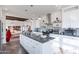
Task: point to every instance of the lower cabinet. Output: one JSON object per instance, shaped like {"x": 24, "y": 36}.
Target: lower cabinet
{"x": 30, "y": 45}
{"x": 35, "y": 47}
{"x": 68, "y": 44}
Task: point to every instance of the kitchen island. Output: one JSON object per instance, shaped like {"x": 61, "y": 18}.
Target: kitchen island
{"x": 37, "y": 45}
{"x": 69, "y": 44}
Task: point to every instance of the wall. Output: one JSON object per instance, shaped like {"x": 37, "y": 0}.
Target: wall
{"x": 54, "y": 16}
{"x": 70, "y": 18}
{"x": 13, "y": 23}
{"x": 37, "y": 23}
{"x": 33, "y": 23}
{"x": 44, "y": 18}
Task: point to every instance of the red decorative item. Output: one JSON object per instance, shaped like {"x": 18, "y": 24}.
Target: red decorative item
{"x": 8, "y": 35}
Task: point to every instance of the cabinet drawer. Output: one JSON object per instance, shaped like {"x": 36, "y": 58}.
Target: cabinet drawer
{"x": 33, "y": 49}
{"x": 31, "y": 45}
{"x": 71, "y": 42}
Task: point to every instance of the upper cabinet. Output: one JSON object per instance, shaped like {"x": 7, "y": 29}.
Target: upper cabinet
{"x": 70, "y": 19}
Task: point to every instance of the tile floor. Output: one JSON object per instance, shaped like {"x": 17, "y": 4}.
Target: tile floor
{"x": 13, "y": 47}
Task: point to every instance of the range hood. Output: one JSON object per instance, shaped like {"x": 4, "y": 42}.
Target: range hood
{"x": 49, "y": 19}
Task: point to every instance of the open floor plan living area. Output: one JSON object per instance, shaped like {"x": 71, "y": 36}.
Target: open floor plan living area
{"x": 39, "y": 29}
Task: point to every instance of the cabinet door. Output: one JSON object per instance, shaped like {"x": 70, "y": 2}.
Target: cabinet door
{"x": 73, "y": 41}
{"x": 25, "y": 43}
{"x": 36, "y": 47}
{"x": 70, "y": 44}
{"x": 30, "y": 45}
{"x": 70, "y": 19}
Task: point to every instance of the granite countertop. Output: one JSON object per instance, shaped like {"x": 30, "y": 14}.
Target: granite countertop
{"x": 39, "y": 38}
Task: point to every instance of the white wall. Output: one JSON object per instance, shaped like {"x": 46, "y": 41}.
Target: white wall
{"x": 54, "y": 16}
{"x": 39, "y": 22}
{"x": 33, "y": 23}
{"x": 13, "y": 23}
{"x": 70, "y": 18}
{"x": 30, "y": 23}
{"x": 44, "y": 18}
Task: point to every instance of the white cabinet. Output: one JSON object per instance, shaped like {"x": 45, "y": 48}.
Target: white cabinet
{"x": 70, "y": 44}
{"x": 70, "y": 19}
{"x": 30, "y": 45}
{"x": 35, "y": 47}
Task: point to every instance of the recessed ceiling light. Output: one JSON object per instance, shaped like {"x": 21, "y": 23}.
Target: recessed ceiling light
{"x": 56, "y": 5}
{"x": 39, "y": 18}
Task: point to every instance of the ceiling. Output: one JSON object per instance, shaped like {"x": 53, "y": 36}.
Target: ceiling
{"x": 32, "y": 11}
